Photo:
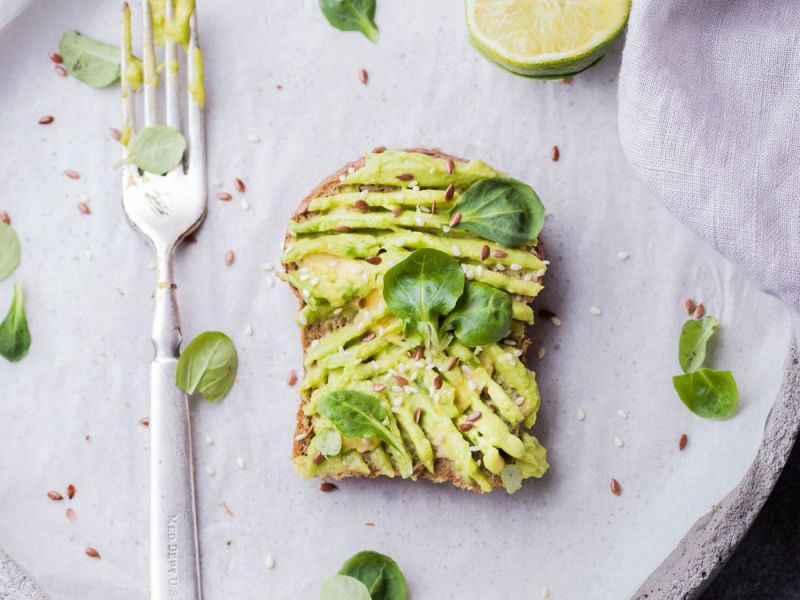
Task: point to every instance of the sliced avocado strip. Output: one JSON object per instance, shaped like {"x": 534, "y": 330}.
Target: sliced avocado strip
{"x": 387, "y": 200}
{"x": 491, "y": 457}
{"x": 514, "y": 373}
{"x": 489, "y": 424}
{"x": 427, "y": 171}
{"x": 347, "y": 462}
{"x": 521, "y": 311}
{"x": 371, "y": 220}
{"x": 422, "y": 447}
{"x": 380, "y": 461}
{"x": 534, "y": 462}
{"x": 331, "y": 342}
{"x": 502, "y": 281}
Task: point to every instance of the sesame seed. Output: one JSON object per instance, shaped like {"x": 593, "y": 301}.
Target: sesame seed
{"x": 419, "y": 221}
{"x": 270, "y": 281}
{"x": 301, "y": 436}
{"x": 580, "y": 414}
{"x": 314, "y": 281}
{"x": 314, "y": 344}
{"x": 541, "y": 352}
{"x": 556, "y": 321}
{"x": 248, "y": 330}
{"x": 306, "y": 293}
{"x": 519, "y": 401}
{"x": 88, "y": 254}
{"x": 472, "y": 385}
{"x": 209, "y": 440}
{"x": 455, "y": 250}
{"x": 305, "y": 277}
{"x": 241, "y": 463}
{"x": 217, "y": 183}
{"x": 545, "y": 591}
{"x": 342, "y": 178}
{"x": 253, "y": 138}
{"x": 622, "y": 414}
{"x": 397, "y": 401}
{"x": 623, "y": 255}
{"x": 595, "y": 311}
{"x": 516, "y": 267}
{"x": 269, "y": 561}
{"x": 500, "y": 267}
{"x": 474, "y": 449}
{"x": 245, "y": 204}
{"x": 396, "y": 410}
{"x": 351, "y": 170}
{"x": 618, "y": 441}
{"x": 210, "y": 470}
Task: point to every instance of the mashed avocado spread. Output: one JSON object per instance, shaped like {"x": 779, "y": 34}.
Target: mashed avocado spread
{"x": 449, "y": 409}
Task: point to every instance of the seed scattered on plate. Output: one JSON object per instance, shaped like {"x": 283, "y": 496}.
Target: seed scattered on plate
{"x": 226, "y": 507}
{"x": 4, "y": 217}
{"x": 46, "y": 120}
{"x": 270, "y": 281}
{"x": 541, "y": 352}
{"x": 224, "y": 196}
{"x": 292, "y": 379}
{"x": 84, "y": 208}
{"x": 88, "y": 253}
{"x": 555, "y": 154}
{"x": 363, "y": 75}
{"x": 327, "y": 486}
{"x": 210, "y": 470}
{"x": 682, "y": 441}
{"x": 595, "y": 311}
{"x": 618, "y": 441}
{"x": 245, "y": 204}
{"x": 209, "y": 439}
{"x": 91, "y": 552}
{"x": 60, "y": 70}
{"x": 229, "y": 258}
{"x": 253, "y": 138}
{"x": 623, "y": 255}
{"x": 239, "y": 185}
{"x": 268, "y": 267}
{"x": 54, "y": 495}
{"x": 622, "y": 414}
{"x": 689, "y": 306}
{"x": 369, "y": 524}
{"x": 248, "y": 330}
{"x": 580, "y": 414}
{"x": 70, "y": 513}
{"x": 72, "y": 174}
{"x": 70, "y": 491}
{"x": 555, "y": 321}
{"x": 545, "y": 592}
{"x": 699, "y": 311}
{"x": 116, "y": 134}
{"x": 56, "y": 58}
{"x": 616, "y": 488}
{"x": 144, "y": 421}
{"x": 269, "y": 561}
{"x": 240, "y": 462}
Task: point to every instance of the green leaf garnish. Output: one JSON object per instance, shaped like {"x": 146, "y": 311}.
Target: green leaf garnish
{"x": 208, "y": 365}
{"x": 351, "y": 15}
{"x": 421, "y": 288}
{"x": 359, "y": 415}
{"x": 93, "y": 62}
{"x": 693, "y": 342}
{"x": 482, "y": 315}
{"x": 156, "y": 149}
{"x": 343, "y": 587}
{"x": 9, "y": 250}
{"x": 501, "y": 209}
{"x": 708, "y": 393}
{"x": 381, "y": 575}
{"x": 15, "y": 338}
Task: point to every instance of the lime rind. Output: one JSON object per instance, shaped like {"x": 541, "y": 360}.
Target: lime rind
{"x": 565, "y": 65}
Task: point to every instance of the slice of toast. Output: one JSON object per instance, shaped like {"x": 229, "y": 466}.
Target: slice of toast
{"x": 360, "y": 459}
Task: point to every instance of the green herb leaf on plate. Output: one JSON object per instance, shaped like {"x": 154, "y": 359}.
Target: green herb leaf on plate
{"x": 208, "y": 365}
{"x": 93, "y": 62}
{"x": 9, "y": 250}
{"x": 420, "y": 289}
{"x": 693, "y": 342}
{"x": 708, "y": 393}
{"x": 329, "y": 442}
{"x": 501, "y": 209}
{"x": 511, "y": 477}
{"x": 381, "y": 575}
{"x": 342, "y": 587}
{"x": 482, "y": 315}
{"x": 156, "y": 149}
{"x": 359, "y": 415}
{"x": 351, "y": 15}
{"x": 15, "y": 338}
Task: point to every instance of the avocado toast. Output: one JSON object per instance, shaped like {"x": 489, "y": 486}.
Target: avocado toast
{"x": 392, "y": 389}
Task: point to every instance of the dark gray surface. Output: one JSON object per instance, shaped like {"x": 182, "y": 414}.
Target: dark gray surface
{"x": 767, "y": 564}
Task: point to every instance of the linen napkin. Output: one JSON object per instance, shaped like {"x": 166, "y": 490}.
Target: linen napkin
{"x": 709, "y": 118}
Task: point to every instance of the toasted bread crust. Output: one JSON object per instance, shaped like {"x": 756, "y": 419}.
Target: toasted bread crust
{"x": 444, "y": 470}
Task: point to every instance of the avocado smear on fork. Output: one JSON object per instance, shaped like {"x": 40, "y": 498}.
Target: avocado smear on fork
{"x": 460, "y": 408}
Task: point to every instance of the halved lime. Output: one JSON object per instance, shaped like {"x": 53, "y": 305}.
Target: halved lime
{"x": 545, "y": 38}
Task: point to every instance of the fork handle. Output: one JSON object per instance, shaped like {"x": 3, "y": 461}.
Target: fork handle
{"x": 174, "y": 557}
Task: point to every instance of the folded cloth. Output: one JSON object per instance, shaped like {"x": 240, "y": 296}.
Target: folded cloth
{"x": 15, "y": 583}
{"x": 709, "y": 118}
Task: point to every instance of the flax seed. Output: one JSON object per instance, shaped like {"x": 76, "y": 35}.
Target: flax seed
{"x": 91, "y": 552}
{"x": 70, "y": 491}
{"x": 374, "y": 260}
{"x": 417, "y": 414}
{"x": 555, "y": 153}
{"x": 343, "y": 228}
{"x": 449, "y": 192}
{"x": 437, "y": 382}
{"x": 474, "y": 416}
{"x": 239, "y": 185}
{"x": 362, "y": 205}
{"x": 363, "y": 75}
{"x": 400, "y": 380}
{"x": 292, "y": 378}
{"x": 699, "y": 311}
{"x": 327, "y": 486}
{"x": 379, "y": 149}
{"x": 46, "y": 120}
{"x": 396, "y": 212}
{"x": 4, "y": 217}
{"x": 466, "y": 426}
{"x": 70, "y": 513}
{"x": 405, "y": 176}
{"x": 682, "y": 441}
{"x": 60, "y": 71}
{"x": 54, "y": 495}
{"x": 56, "y": 58}
{"x": 116, "y": 134}
{"x": 379, "y": 387}
{"x": 499, "y": 253}
{"x": 452, "y": 364}
{"x": 689, "y": 306}
{"x": 224, "y": 196}
{"x": 616, "y": 488}
{"x": 229, "y": 258}
{"x": 485, "y": 252}
{"x": 144, "y": 422}
{"x": 84, "y": 208}
{"x": 419, "y": 352}
{"x": 72, "y": 174}
{"x": 455, "y": 219}
{"x": 451, "y": 165}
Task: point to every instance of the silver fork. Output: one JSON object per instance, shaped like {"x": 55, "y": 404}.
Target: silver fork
{"x": 165, "y": 209}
